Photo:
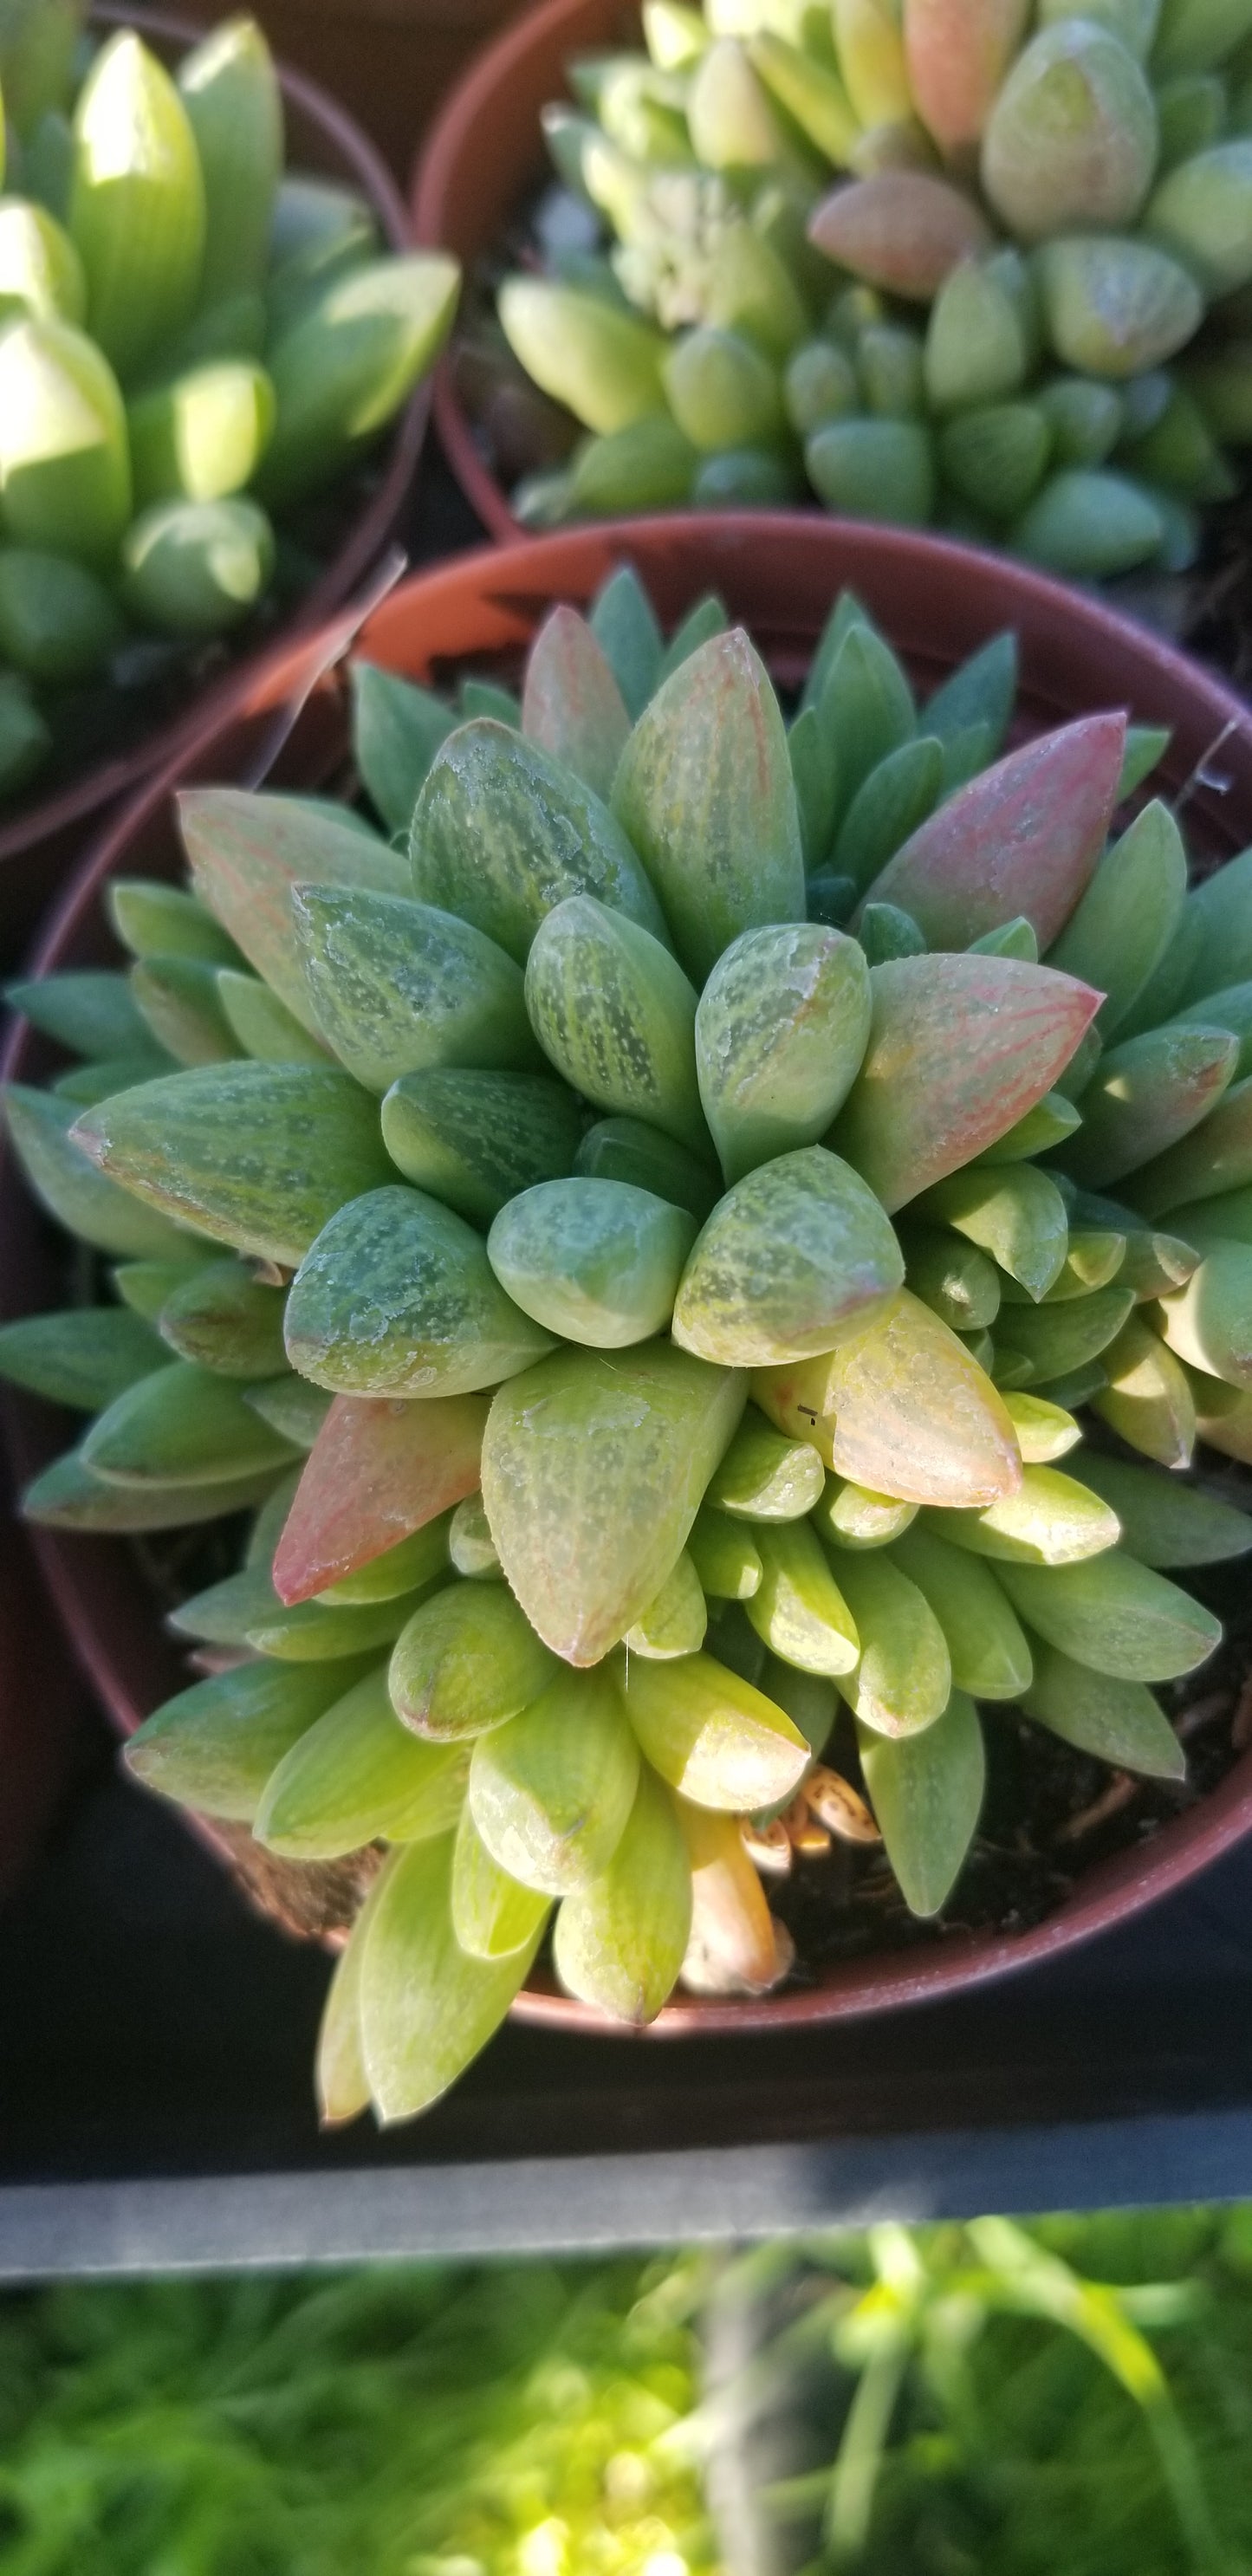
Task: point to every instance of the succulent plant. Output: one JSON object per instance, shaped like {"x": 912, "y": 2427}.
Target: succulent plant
{"x": 989, "y": 322}
{"x": 636, "y": 1239}
{"x": 188, "y": 343}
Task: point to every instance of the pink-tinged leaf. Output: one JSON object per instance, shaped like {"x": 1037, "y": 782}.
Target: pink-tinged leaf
{"x": 901, "y": 230}
{"x": 958, "y": 52}
{"x": 378, "y": 1470}
{"x": 246, "y": 854}
{"x": 959, "y": 1049}
{"x": 1022, "y": 840}
{"x": 902, "y": 1408}
{"x": 571, "y": 704}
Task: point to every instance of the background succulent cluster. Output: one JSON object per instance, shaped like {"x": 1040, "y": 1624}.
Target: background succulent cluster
{"x": 637, "y": 1239}
{"x": 1035, "y": 327}
{"x": 188, "y": 343}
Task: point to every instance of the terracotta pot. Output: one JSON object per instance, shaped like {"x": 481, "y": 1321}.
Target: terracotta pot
{"x": 486, "y": 151}
{"x": 779, "y": 574}
{"x": 42, "y": 840}
{"x": 388, "y": 61}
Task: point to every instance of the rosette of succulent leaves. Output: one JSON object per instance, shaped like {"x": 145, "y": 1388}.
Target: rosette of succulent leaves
{"x": 960, "y": 261}
{"x": 634, "y": 1220}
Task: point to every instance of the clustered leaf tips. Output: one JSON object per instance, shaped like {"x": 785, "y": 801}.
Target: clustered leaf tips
{"x": 638, "y": 1241}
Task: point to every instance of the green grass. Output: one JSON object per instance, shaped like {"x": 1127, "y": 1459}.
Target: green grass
{"x": 396, "y": 2422}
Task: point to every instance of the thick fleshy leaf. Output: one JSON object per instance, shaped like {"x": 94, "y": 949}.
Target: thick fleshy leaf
{"x": 901, "y": 230}
{"x": 396, "y": 731}
{"x": 397, "y": 1297}
{"x": 732, "y": 1949}
{"x": 179, "y": 1426}
{"x": 255, "y": 1155}
{"x": 798, "y": 1607}
{"x": 467, "y": 1661}
{"x": 91, "y": 1012}
{"x": 1147, "y": 1400}
{"x": 397, "y": 986}
{"x": 1210, "y": 1161}
{"x": 927, "y": 1793}
{"x": 615, "y": 1014}
{"x": 711, "y": 1735}
{"x": 1209, "y": 1322}
{"x": 474, "y": 1139}
{"x": 1022, "y": 838}
{"x": 246, "y": 854}
{"x": 245, "y": 1610}
{"x": 765, "y": 1476}
{"x": 902, "y": 1408}
{"x": 1216, "y": 945}
{"x": 986, "y": 1643}
{"x": 726, "y": 1564}
{"x": 960, "y": 1048}
{"x": 592, "y": 1261}
{"x": 502, "y": 833}
{"x": 628, "y": 1149}
{"x": 290, "y": 1405}
{"x": 959, "y": 1282}
{"x": 1145, "y": 1095}
{"x": 224, "y": 1318}
{"x": 1117, "y": 1720}
{"x": 1052, "y": 1341}
{"x": 426, "y": 2008}
{"x": 957, "y": 53}
{"x": 1223, "y": 1417}
{"x": 903, "y": 1675}
{"x": 1165, "y": 1522}
{"x": 1119, "y": 932}
{"x": 850, "y": 1516}
{"x": 1014, "y": 1213}
{"x": 68, "y": 1496}
{"x": 676, "y": 1621}
{"x": 356, "y": 1775}
{"x": 623, "y": 622}
{"x": 619, "y": 1943}
{"x": 214, "y": 1746}
{"x": 59, "y": 1167}
{"x": 551, "y": 1791}
{"x": 706, "y": 793}
{"x": 571, "y": 704}
{"x": 594, "y": 1466}
{"x": 780, "y": 1031}
{"x": 492, "y": 1914}
{"x": 376, "y": 1472}
{"x": 82, "y": 1357}
{"x": 1051, "y": 1520}
{"x": 793, "y": 1254}
{"x": 1115, "y": 1615}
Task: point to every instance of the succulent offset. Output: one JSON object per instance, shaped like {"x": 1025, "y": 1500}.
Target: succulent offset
{"x": 192, "y": 347}
{"x": 637, "y": 1240}
{"x": 1021, "y": 312}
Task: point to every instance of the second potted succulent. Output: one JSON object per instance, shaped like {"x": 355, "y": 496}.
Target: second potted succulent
{"x": 639, "y": 1243}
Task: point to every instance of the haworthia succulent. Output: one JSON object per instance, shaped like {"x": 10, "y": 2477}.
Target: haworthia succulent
{"x": 614, "y": 1014}
{"x": 396, "y": 1297}
{"x": 397, "y": 986}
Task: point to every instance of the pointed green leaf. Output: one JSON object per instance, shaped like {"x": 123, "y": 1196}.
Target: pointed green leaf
{"x": 1147, "y": 1400}
{"x": 620, "y": 1942}
{"x": 551, "y": 1791}
{"x": 797, "y": 1607}
{"x": 887, "y": 808}
{"x": 1115, "y": 1615}
{"x": 82, "y": 1357}
{"x": 226, "y": 1320}
{"x": 927, "y": 1794}
{"x": 355, "y": 1775}
{"x": 986, "y": 1643}
{"x": 426, "y": 2008}
{"x": 711, "y": 1735}
{"x": 1013, "y": 1212}
{"x": 247, "y": 852}
{"x": 397, "y": 986}
{"x": 1123, "y": 925}
{"x": 179, "y": 1002}
{"x": 396, "y": 731}
{"x": 502, "y": 833}
{"x": 1209, "y": 1322}
{"x": 705, "y": 792}
{"x": 258, "y": 1156}
{"x": 1117, "y": 1720}
{"x": 1207, "y": 1163}
{"x": 1053, "y": 1341}
{"x": 68, "y": 1496}
{"x": 1052, "y": 1519}
{"x": 473, "y": 1139}
{"x": 594, "y": 1466}
{"x": 90, "y": 1012}
{"x": 466, "y": 1661}
{"x": 592, "y": 1261}
{"x": 788, "y": 1261}
{"x": 572, "y": 706}
{"x": 49, "y": 1147}
{"x": 623, "y": 622}
{"x": 181, "y": 1425}
{"x": 493, "y": 1915}
{"x": 1164, "y": 1522}
{"x": 851, "y": 1516}
{"x": 765, "y": 1476}
{"x": 214, "y": 1747}
{"x": 902, "y": 1678}
{"x": 780, "y": 1031}
{"x": 262, "y": 1025}
{"x": 396, "y": 1297}
{"x": 726, "y": 1565}
{"x": 614, "y": 1013}
{"x": 1146, "y": 1094}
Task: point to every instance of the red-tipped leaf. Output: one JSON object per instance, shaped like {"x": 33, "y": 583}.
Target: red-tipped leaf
{"x": 959, "y": 1049}
{"x": 571, "y": 704}
{"x": 1023, "y": 839}
{"x": 377, "y": 1471}
{"x": 901, "y": 230}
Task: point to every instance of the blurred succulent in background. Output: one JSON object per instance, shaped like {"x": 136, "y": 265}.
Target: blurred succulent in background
{"x": 192, "y": 348}
{"x": 637, "y": 1240}
{"x": 1020, "y": 313}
